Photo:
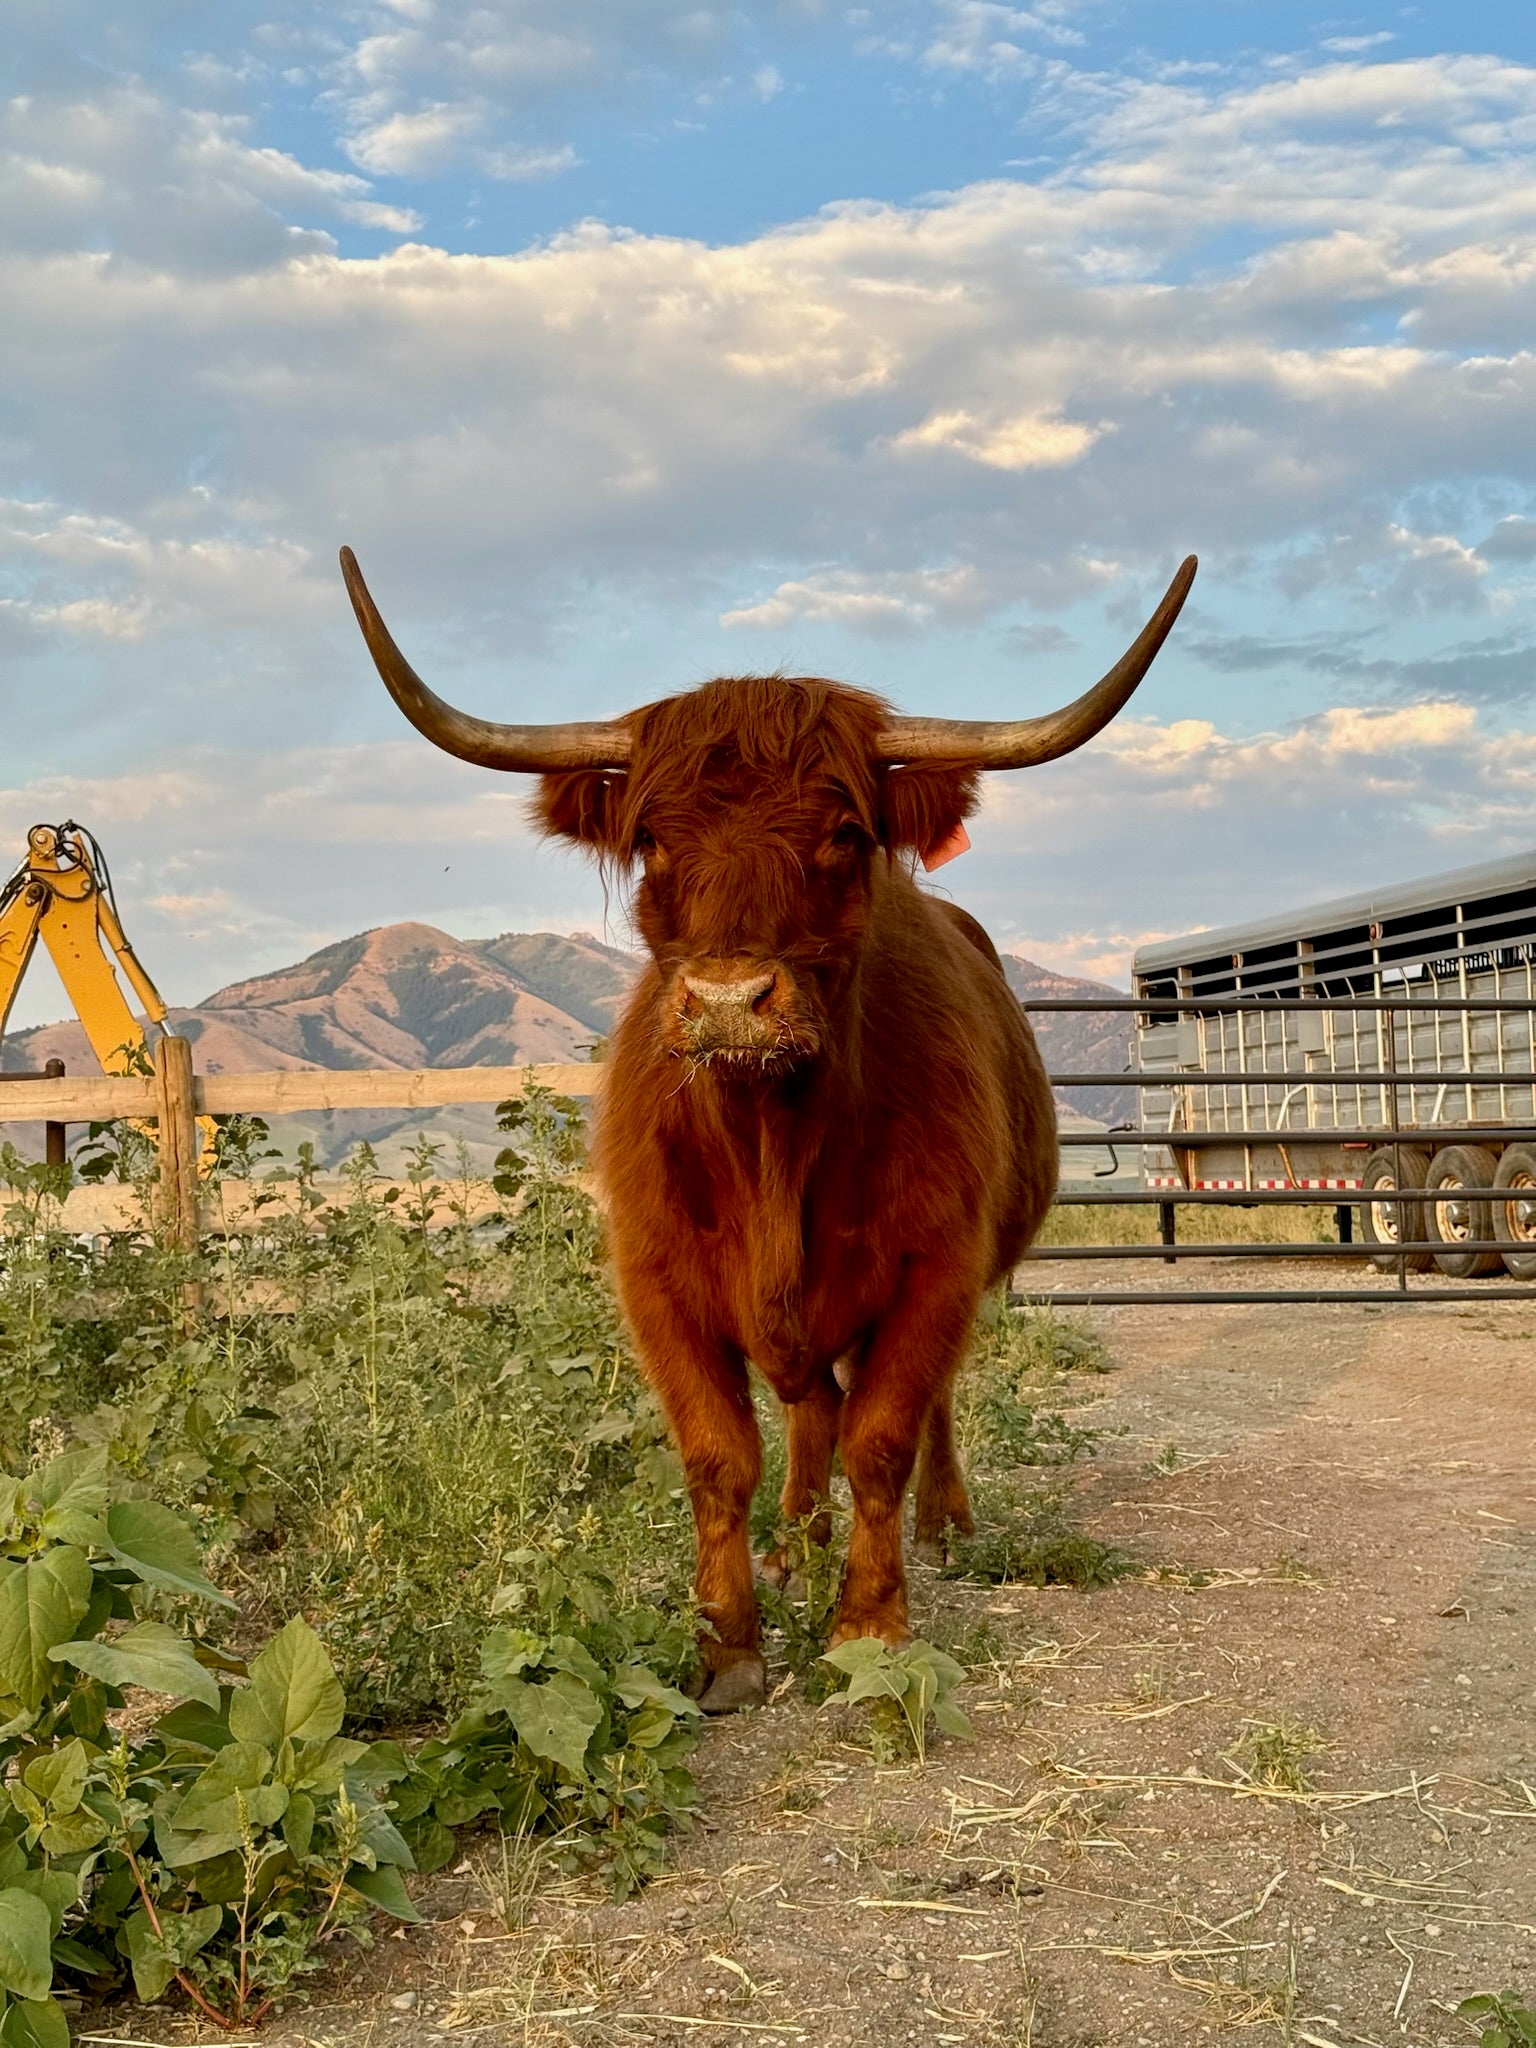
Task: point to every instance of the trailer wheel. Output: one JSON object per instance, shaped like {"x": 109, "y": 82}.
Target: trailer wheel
{"x": 1453, "y": 1218}
{"x": 1514, "y": 1219}
{"x": 1383, "y": 1223}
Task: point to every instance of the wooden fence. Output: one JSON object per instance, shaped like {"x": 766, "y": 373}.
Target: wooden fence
{"x": 173, "y": 1097}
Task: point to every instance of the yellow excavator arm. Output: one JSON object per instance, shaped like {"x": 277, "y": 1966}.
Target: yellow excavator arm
{"x": 62, "y": 893}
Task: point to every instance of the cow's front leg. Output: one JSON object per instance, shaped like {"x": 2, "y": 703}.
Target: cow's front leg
{"x": 702, "y": 1384}
{"x": 910, "y": 1363}
{"x": 811, "y": 1426}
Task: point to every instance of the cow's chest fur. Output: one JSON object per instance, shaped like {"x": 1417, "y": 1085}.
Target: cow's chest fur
{"x": 784, "y": 1244}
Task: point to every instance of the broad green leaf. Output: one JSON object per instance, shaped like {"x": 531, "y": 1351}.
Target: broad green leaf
{"x": 293, "y": 1691}
{"x": 157, "y": 1957}
{"x": 26, "y": 1968}
{"x": 150, "y": 1654}
{"x": 191, "y": 1932}
{"x": 40, "y": 1602}
{"x": 57, "y": 1889}
{"x": 299, "y": 1824}
{"x": 239, "y": 1776}
{"x": 432, "y": 1845}
{"x": 948, "y": 1717}
{"x": 34, "y": 2023}
{"x": 506, "y": 1652}
{"x": 381, "y": 1763}
{"x": 73, "y": 1833}
{"x": 652, "y": 1725}
{"x": 856, "y": 1655}
{"x": 68, "y": 1495}
{"x": 638, "y": 1686}
{"x": 158, "y": 1547}
{"x": 58, "y": 1776}
{"x": 556, "y": 1720}
{"x": 192, "y": 1722}
{"x": 321, "y": 1766}
{"x": 75, "y": 1482}
{"x": 385, "y": 1888}
{"x": 70, "y": 1954}
{"x": 873, "y": 1684}
{"x": 153, "y": 1966}
{"x": 384, "y": 1840}
{"x": 565, "y": 1653}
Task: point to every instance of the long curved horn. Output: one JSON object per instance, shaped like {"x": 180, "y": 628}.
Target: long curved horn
{"x": 533, "y": 749}
{"x": 1021, "y": 742}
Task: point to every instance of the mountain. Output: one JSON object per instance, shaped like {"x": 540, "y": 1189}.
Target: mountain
{"x": 402, "y": 996}
{"x": 407, "y": 996}
{"x": 1075, "y": 1043}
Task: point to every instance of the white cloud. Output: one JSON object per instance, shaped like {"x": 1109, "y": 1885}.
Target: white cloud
{"x": 1030, "y": 441}
{"x": 981, "y": 36}
{"x": 402, "y": 145}
{"x": 491, "y": 85}
{"x": 890, "y": 603}
{"x": 1166, "y": 828}
{"x": 521, "y": 166}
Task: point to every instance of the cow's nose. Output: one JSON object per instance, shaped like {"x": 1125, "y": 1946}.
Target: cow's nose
{"x": 744, "y": 993}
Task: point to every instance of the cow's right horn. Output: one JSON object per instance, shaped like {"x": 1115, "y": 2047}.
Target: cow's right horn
{"x": 533, "y": 749}
{"x": 1022, "y": 742}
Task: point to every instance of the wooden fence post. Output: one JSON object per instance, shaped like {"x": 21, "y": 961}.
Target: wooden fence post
{"x": 176, "y": 1184}
{"x": 55, "y": 1147}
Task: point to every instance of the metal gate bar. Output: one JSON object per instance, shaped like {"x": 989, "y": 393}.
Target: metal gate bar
{"x": 1393, "y": 1135}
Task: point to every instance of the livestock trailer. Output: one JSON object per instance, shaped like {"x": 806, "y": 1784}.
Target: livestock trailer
{"x": 1397, "y": 1029}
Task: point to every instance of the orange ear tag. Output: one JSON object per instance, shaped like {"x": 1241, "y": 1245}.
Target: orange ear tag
{"x": 958, "y": 842}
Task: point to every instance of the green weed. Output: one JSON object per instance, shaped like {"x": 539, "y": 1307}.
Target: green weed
{"x": 1504, "y": 2020}
{"x": 905, "y": 1689}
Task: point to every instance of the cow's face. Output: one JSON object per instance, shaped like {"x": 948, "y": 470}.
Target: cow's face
{"x": 755, "y": 813}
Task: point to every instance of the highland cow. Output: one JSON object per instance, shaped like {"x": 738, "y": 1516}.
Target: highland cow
{"x": 825, "y": 1128}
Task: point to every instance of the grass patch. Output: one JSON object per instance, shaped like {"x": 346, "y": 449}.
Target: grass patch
{"x": 1199, "y": 1223}
{"x": 1278, "y": 1754}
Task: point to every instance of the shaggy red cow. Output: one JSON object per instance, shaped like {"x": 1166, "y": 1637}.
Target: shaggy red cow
{"x": 825, "y": 1129}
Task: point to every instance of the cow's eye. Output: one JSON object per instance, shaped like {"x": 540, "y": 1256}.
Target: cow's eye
{"x": 644, "y": 842}
{"x": 850, "y": 835}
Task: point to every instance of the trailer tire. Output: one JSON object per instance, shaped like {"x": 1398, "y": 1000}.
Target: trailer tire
{"x": 1383, "y": 1225}
{"x": 1451, "y": 1219}
{"x": 1514, "y": 1220}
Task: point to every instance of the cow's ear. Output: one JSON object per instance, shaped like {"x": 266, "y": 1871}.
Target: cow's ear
{"x": 585, "y": 804}
{"x": 921, "y": 807}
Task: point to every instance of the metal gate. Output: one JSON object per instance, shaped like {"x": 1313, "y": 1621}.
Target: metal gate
{"x": 1398, "y": 1133}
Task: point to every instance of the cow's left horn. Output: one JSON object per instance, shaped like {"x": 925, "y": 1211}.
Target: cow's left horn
{"x": 532, "y": 748}
{"x": 1021, "y": 742}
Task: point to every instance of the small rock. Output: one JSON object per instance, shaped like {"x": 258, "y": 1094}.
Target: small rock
{"x": 677, "y": 1916}
{"x": 1432, "y": 1929}
{"x": 897, "y": 1971}
{"x": 405, "y": 2001}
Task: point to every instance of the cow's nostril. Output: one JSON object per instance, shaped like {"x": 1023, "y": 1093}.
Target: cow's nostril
{"x": 764, "y": 996}
{"x": 743, "y": 994}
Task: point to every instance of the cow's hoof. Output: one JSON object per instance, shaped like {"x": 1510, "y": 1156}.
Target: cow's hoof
{"x": 891, "y": 1629}
{"x": 931, "y": 1550}
{"x": 743, "y": 1683}
{"x": 772, "y": 1567}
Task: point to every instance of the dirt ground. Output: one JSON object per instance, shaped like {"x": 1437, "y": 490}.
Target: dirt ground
{"x": 1342, "y": 1505}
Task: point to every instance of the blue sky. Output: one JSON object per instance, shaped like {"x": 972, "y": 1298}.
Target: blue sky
{"x": 913, "y": 344}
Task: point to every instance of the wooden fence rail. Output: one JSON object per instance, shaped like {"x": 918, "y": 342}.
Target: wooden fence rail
{"x": 99, "y": 1099}
{"x": 173, "y": 1097}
